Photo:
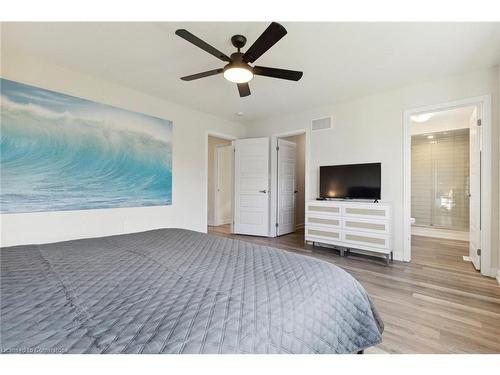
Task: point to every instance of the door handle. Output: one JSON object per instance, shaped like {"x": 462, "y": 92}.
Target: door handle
{"x": 295, "y": 191}
{"x": 263, "y": 191}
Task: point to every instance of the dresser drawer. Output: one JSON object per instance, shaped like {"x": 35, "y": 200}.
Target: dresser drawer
{"x": 322, "y": 208}
{"x": 323, "y": 220}
{"x": 321, "y": 233}
{"x": 367, "y": 212}
{"x": 365, "y": 225}
{"x": 366, "y": 239}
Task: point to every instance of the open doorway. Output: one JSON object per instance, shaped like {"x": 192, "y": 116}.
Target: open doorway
{"x": 445, "y": 159}
{"x": 290, "y": 198}
{"x": 220, "y": 182}
{"x": 480, "y": 179}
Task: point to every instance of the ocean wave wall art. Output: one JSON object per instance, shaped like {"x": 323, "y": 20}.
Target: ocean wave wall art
{"x": 59, "y": 152}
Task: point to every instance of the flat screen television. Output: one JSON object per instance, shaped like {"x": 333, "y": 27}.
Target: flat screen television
{"x": 352, "y": 181}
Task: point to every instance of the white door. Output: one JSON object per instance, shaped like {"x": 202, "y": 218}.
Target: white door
{"x": 251, "y": 186}
{"x": 223, "y": 182}
{"x": 475, "y": 190}
{"x": 287, "y": 156}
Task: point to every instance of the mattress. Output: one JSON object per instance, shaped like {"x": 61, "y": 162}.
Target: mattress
{"x": 178, "y": 291}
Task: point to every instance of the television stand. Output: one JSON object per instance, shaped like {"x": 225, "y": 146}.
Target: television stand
{"x": 350, "y": 225}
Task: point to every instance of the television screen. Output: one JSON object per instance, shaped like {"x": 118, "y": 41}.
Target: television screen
{"x": 356, "y": 181}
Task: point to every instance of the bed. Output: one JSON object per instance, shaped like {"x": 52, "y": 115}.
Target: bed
{"x": 178, "y": 291}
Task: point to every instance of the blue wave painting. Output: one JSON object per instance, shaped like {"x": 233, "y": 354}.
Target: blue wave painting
{"x": 59, "y": 152}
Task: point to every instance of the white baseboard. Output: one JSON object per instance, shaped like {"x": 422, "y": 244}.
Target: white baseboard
{"x": 440, "y": 233}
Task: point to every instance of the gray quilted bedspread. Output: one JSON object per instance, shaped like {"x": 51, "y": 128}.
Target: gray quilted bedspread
{"x": 178, "y": 291}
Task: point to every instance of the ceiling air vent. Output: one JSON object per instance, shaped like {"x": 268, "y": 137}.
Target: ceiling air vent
{"x": 321, "y": 123}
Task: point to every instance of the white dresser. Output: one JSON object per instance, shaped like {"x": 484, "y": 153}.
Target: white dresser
{"x": 350, "y": 225}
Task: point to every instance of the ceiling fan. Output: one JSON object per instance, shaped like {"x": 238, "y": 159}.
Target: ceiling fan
{"x": 238, "y": 68}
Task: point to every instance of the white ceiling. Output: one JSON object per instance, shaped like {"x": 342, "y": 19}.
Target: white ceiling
{"x": 339, "y": 60}
{"x": 450, "y": 119}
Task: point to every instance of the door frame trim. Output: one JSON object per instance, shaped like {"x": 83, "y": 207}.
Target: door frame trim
{"x": 231, "y": 138}
{"x": 486, "y": 170}
{"x": 273, "y": 185}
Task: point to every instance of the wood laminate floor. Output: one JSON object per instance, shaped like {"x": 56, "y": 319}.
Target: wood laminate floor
{"x": 437, "y": 303}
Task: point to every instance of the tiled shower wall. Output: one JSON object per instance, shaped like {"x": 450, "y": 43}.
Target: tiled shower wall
{"x": 440, "y": 179}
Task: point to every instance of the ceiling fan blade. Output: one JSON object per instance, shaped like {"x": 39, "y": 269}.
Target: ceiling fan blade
{"x": 243, "y": 89}
{"x": 202, "y": 44}
{"x": 291, "y": 75}
{"x": 202, "y": 74}
{"x": 266, "y": 40}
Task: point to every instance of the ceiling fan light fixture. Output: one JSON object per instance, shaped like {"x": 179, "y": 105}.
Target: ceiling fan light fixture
{"x": 238, "y": 74}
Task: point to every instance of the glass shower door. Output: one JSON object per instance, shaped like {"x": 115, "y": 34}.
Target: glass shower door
{"x": 440, "y": 179}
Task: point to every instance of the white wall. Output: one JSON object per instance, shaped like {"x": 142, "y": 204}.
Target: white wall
{"x": 213, "y": 142}
{"x": 189, "y": 160}
{"x": 370, "y": 129}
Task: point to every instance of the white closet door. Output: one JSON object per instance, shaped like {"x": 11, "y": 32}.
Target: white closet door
{"x": 224, "y": 182}
{"x": 475, "y": 191}
{"x": 287, "y": 156}
{"x": 251, "y": 186}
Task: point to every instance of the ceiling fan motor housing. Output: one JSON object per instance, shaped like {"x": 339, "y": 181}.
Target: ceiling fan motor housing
{"x": 237, "y": 62}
